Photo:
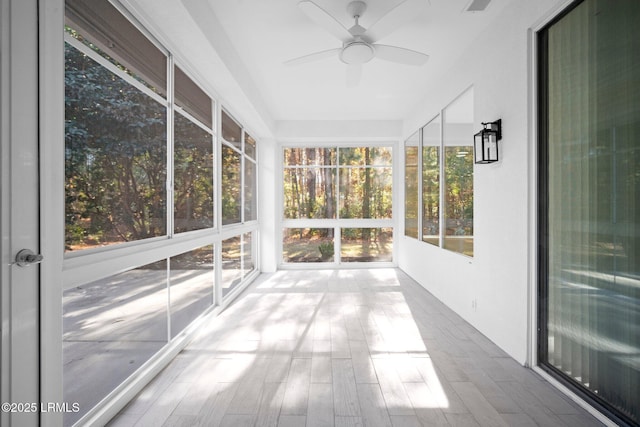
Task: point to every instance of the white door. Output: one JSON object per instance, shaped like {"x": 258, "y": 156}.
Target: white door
{"x": 30, "y": 343}
{"x": 20, "y": 213}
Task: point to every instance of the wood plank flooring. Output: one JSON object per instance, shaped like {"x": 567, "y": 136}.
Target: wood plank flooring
{"x": 345, "y": 348}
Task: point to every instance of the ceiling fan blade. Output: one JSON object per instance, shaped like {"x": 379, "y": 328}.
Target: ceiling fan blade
{"x": 354, "y": 74}
{"x": 393, "y": 19}
{"x": 400, "y": 55}
{"x": 313, "y": 57}
{"x": 325, "y": 20}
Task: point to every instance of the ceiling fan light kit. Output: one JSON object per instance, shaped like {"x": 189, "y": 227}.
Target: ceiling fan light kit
{"x": 359, "y": 43}
{"x": 357, "y": 52}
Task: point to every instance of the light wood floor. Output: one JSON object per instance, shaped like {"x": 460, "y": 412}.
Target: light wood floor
{"x": 345, "y": 348}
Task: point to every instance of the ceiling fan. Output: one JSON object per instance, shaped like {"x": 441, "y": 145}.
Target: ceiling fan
{"x": 359, "y": 44}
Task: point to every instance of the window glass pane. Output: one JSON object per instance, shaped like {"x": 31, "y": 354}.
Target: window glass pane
{"x": 366, "y": 245}
{"x": 231, "y": 185}
{"x": 310, "y": 156}
{"x": 458, "y": 167}
{"x": 110, "y": 328}
{"x": 231, "y": 264}
{"x": 593, "y": 183}
{"x": 191, "y": 292}
{"x": 308, "y": 245}
{"x": 309, "y": 193}
{"x": 115, "y": 157}
{"x": 249, "y": 146}
{"x": 194, "y": 100}
{"x": 231, "y": 131}
{"x": 248, "y": 265}
{"x": 104, "y": 29}
{"x": 365, "y": 192}
{"x": 411, "y": 186}
{"x": 250, "y": 187}
{"x": 361, "y": 156}
{"x": 193, "y": 176}
{"x": 431, "y": 182}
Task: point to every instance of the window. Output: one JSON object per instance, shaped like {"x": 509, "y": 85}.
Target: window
{"x": 308, "y": 245}
{"x": 191, "y": 292}
{"x": 250, "y": 179}
{"x": 140, "y": 201}
{"x": 325, "y": 186}
{"x": 309, "y": 183}
{"x": 116, "y": 139}
{"x": 237, "y": 261}
{"x": 366, "y": 244}
{"x": 431, "y": 182}
{"x": 115, "y": 175}
{"x": 411, "y": 186}
{"x": 239, "y": 173}
{"x": 445, "y": 199}
{"x": 111, "y": 327}
{"x": 193, "y": 159}
{"x": 365, "y": 182}
{"x": 231, "y": 185}
{"x": 457, "y": 130}
{"x": 589, "y": 215}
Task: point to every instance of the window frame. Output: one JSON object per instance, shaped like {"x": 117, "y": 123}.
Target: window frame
{"x": 244, "y": 158}
{"x": 438, "y": 118}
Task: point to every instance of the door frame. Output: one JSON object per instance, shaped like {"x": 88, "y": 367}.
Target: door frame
{"x": 32, "y": 130}
{"x": 51, "y": 125}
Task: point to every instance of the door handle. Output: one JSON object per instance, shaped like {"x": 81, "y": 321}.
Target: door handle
{"x": 27, "y": 257}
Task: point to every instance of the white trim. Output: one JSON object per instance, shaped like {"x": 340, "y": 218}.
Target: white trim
{"x": 51, "y": 153}
{"x": 419, "y": 176}
{"x": 442, "y": 202}
{"x": 97, "y": 265}
{"x": 184, "y": 113}
{"x": 336, "y": 143}
{"x": 335, "y": 265}
{"x": 338, "y": 222}
{"x": 169, "y": 180}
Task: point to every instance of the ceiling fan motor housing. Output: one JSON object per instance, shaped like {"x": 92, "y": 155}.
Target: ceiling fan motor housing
{"x": 356, "y": 8}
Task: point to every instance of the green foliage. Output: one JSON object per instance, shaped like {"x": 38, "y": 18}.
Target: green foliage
{"x": 193, "y": 176}
{"x": 326, "y": 250}
{"x": 459, "y": 190}
{"x": 231, "y": 184}
{"x": 115, "y": 157}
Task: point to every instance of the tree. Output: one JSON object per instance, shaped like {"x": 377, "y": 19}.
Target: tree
{"x": 115, "y": 157}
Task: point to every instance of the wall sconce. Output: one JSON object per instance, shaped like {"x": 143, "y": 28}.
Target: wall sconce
{"x": 485, "y": 142}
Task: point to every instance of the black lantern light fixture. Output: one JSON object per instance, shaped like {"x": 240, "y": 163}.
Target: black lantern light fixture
{"x": 485, "y": 142}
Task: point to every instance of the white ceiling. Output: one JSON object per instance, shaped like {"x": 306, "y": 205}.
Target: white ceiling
{"x": 262, "y": 34}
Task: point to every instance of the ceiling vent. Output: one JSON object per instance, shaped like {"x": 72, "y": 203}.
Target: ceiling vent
{"x": 477, "y": 5}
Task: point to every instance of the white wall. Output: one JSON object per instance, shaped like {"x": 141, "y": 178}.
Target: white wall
{"x": 334, "y": 130}
{"x": 267, "y": 211}
{"x": 498, "y": 65}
